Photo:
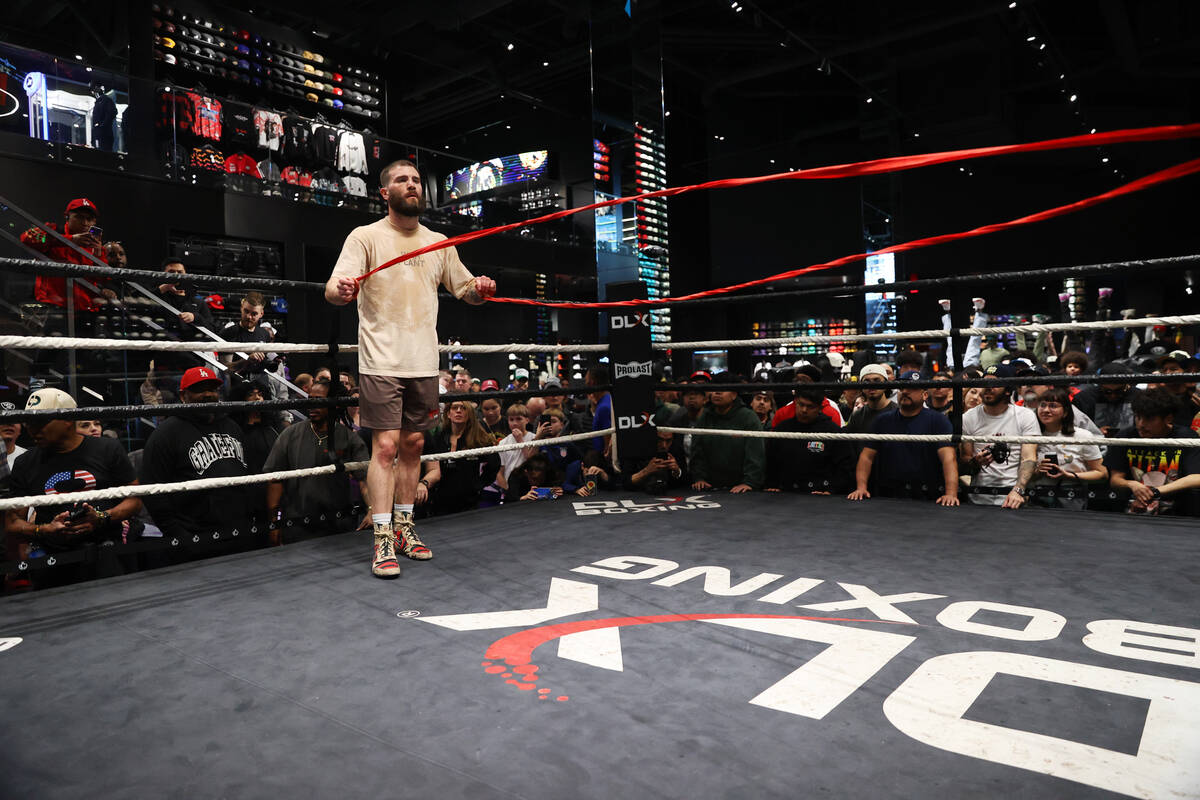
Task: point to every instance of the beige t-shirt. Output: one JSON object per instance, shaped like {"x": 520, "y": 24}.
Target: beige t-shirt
{"x": 398, "y": 307}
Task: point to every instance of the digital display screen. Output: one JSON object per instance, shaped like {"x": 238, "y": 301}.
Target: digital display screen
{"x": 471, "y": 209}
{"x": 502, "y": 171}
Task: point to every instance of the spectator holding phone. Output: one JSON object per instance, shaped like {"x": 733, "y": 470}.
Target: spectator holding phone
{"x": 1065, "y": 466}
{"x": 535, "y": 480}
{"x": 79, "y": 225}
{"x": 64, "y": 460}
{"x": 665, "y": 470}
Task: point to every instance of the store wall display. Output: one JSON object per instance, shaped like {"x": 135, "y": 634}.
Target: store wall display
{"x": 229, "y": 144}
{"x": 186, "y": 42}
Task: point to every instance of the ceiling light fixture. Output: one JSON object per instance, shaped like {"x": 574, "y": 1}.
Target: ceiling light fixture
{"x": 1073, "y": 98}
{"x": 509, "y": 46}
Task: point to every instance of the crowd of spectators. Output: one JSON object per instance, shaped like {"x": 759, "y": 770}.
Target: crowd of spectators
{"x": 59, "y": 455}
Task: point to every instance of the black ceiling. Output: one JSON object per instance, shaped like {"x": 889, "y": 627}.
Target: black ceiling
{"x": 776, "y": 77}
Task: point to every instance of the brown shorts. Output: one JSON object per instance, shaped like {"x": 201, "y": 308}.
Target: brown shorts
{"x": 386, "y": 403}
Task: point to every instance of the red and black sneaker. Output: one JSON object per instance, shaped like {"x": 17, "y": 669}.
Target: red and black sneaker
{"x": 407, "y": 541}
{"x": 385, "y": 564}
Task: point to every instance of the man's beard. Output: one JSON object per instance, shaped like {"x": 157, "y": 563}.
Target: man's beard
{"x": 407, "y": 206}
{"x": 995, "y": 400}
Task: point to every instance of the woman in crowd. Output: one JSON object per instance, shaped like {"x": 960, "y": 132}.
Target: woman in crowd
{"x": 465, "y": 483}
{"x": 1066, "y": 467}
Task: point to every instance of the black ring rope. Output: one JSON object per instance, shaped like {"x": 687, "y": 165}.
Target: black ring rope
{"x": 181, "y": 409}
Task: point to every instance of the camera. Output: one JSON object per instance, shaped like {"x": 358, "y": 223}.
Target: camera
{"x": 999, "y": 452}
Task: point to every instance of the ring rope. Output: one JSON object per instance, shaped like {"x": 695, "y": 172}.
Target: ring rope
{"x": 933, "y": 333}
{"x": 71, "y": 270}
{"x": 929, "y": 438}
{"x": 77, "y": 343}
{"x": 1017, "y": 274}
{"x": 199, "y": 484}
{"x": 81, "y": 343}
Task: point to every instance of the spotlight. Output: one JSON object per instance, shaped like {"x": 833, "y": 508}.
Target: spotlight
{"x": 509, "y": 46}
{"x": 1073, "y": 98}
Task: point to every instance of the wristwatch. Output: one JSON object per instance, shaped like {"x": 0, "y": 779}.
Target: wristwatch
{"x": 1155, "y": 494}
{"x": 1019, "y": 491}
{"x": 424, "y": 483}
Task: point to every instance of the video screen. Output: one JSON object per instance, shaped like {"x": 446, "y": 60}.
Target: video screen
{"x": 502, "y": 171}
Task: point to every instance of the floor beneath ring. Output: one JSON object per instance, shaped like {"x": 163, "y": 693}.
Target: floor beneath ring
{"x": 294, "y": 671}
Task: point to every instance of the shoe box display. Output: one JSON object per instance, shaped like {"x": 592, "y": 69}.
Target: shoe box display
{"x": 186, "y": 42}
{"x": 811, "y": 326}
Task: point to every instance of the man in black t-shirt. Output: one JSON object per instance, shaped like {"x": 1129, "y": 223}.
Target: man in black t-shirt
{"x": 198, "y": 445}
{"x": 250, "y": 327}
{"x": 62, "y": 461}
{"x": 1162, "y": 479}
{"x": 809, "y": 466}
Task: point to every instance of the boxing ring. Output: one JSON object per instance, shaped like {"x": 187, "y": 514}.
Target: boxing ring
{"x": 702, "y": 644}
{"x": 698, "y": 646}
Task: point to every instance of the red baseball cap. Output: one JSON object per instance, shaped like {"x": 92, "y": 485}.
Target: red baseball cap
{"x": 216, "y": 302}
{"x": 198, "y": 375}
{"x": 489, "y": 385}
{"x": 82, "y": 202}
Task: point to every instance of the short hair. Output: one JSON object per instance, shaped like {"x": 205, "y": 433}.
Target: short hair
{"x": 1156, "y": 402}
{"x": 517, "y": 410}
{"x": 555, "y": 412}
{"x": 537, "y": 460}
{"x": 385, "y": 174}
{"x": 599, "y": 373}
{"x": 1074, "y": 357}
{"x": 910, "y": 356}
{"x": 169, "y": 260}
{"x": 322, "y": 382}
{"x": 255, "y": 299}
{"x": 814, "y": 396}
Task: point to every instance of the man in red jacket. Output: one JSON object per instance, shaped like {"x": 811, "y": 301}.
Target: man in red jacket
{"x": 78, "y": 226}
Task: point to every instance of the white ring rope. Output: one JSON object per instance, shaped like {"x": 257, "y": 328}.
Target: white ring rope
{"x": 79, "y": 343}
{"x": 935, "y": 333}
{"x": 122, "y": 492}
{"x": 932, "y": 438}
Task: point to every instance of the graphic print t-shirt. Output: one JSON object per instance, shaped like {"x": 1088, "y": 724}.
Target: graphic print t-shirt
{"x": 1156, "y": 466}
{"x": 97, "y": 463}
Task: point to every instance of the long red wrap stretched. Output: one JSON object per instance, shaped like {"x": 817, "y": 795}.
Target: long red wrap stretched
{"x": 872, "y": 167}
{"x": 1169, "y": 174}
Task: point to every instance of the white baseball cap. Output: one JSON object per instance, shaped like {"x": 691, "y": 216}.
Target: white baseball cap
{"x": 50, "y": 398}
